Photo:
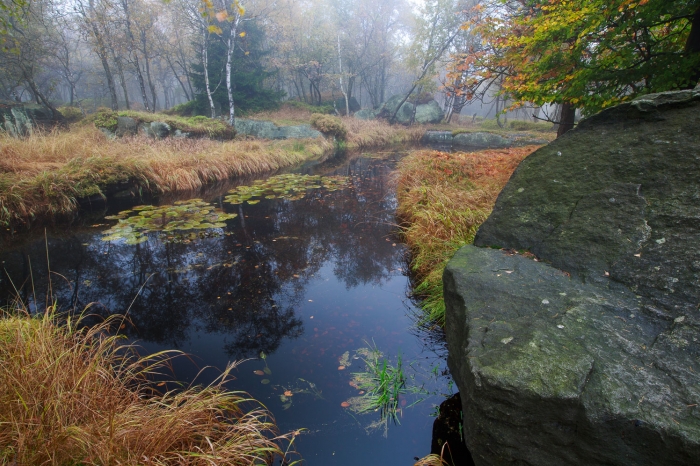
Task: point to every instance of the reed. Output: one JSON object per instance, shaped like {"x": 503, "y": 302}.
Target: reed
{"x": 442, "y": 200}
{"x": 71, "y": 394}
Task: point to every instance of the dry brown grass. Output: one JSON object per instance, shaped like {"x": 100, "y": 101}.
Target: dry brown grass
{"x": 443, "y": 198}
{"x": 366, "y": 134}
{"x": 44, "y": 175}
{"x": 72, "y": 395}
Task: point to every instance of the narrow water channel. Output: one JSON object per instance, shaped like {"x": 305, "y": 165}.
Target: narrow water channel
{"x": 305, "y": 283}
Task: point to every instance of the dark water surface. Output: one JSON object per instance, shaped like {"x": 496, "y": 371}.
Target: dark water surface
{"x": 302, "y": 281}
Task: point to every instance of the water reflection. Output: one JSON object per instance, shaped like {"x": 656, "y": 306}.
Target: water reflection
{"x": 245, "y": 282}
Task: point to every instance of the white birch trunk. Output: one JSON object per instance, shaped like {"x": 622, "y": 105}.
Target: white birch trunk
{"x": 340, "y": 78}
{"x": 205, "y": 63}
{"x": 229, "y": 59}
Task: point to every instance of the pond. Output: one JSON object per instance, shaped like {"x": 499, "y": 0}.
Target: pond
{"x": 298, "y": 278}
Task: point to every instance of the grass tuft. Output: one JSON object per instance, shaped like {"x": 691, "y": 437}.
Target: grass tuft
{"x": 71, "y": 394}
{"x": 443, "y": 198}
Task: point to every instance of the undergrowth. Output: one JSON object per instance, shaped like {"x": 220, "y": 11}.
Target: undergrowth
{"x": 75, "y": 395}
{"x": 443, "y": 198}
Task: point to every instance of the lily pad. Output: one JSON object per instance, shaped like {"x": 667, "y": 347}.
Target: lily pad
{"x": 195, "y": 214}
{"x": 289, "y": 187}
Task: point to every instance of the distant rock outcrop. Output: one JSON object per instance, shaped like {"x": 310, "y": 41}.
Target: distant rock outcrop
{"x": 423, "y": 113}
{"x": 21, "y": 119}
{"x": 444, "y": 140}
{"x": 591, "y": 353}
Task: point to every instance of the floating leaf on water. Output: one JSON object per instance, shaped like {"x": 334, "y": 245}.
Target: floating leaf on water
{"x": 252, "y": 202}
{"x": 341, "y": 368}
{"x": 258, "y": 372}
{"x": 267, "y": 371}
{"x": 183, "y": 215}
{"x": 265, "y": 381}
{"x": 263, "y": 355}
{"x": 290, "y": 186}
{"x": 288, "y": 393}
{"x": 345, "y": 404}
{"x": 287, "y": 405}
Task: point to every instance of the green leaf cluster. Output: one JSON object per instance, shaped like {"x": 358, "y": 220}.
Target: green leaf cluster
{"x": 290, "y": 186}
{"x": 136, "y": 223}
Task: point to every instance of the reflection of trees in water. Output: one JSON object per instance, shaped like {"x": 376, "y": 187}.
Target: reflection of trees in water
{"x": 244, "y": 284}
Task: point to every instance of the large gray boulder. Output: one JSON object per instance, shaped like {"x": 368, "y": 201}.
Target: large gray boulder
{"x": 269, "y": 130}
{"x": 366, "y": 114}
{"x": 405, "y": 113}
{"x": 429, "y": 113}
{"x": 126, "y": 126}
{"x": 154, "y": 129}
{"x": 590, "y": 354}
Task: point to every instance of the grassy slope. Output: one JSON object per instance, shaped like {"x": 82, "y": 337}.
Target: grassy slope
{"x": 72, "y": 395}
{"x": 45, "y": 174}
{"x": 443, "y": 198}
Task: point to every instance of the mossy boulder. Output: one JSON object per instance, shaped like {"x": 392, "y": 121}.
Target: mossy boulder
{"x": 587, "y": 351}
{"x": 429, "y": 113}
{"x": 20, "y": 119}
{"x": 405, "y": 113}
{"x": 366, "y": 114}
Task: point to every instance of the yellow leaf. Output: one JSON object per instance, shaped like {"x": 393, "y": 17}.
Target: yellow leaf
{"x": 242, "y": 34}
{"x": 215, "y": 29}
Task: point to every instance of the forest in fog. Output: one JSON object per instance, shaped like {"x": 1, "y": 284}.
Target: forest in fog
{"x": 151, "y": 55}
{"x": 216, "y": 57}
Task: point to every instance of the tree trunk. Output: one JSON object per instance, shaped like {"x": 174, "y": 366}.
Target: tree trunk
{"x": 134, "y": 53}
{"x": 340, "y": 80}
{"x": 102, "y": 53}
{"x": 182, "y": 85}
{"x": 122, "y": 81}
{"x": 692, "y": 47}
{"x": 568, "y": 114}
{"x": 231, "y": 43}
{"x": 205, "y": 65}
{"x": 151, "y": 85}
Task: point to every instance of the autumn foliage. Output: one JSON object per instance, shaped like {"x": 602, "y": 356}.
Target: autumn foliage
{"x": 590, "y": 55}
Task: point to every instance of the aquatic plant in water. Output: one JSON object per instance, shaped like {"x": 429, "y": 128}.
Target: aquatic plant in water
{"x": 381, "y": 386}
{"x": 193, "y": 214}
{"x": 290, "y": 186}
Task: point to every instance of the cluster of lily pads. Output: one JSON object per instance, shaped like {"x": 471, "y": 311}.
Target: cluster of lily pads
{"x": 193, "y": 214}
{"x": 289, "y": 186}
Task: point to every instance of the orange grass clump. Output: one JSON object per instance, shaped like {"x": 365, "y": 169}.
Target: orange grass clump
{"x": 45, "y": 174}
{"x": 365, "y": 134}
{"x": 443, "y": 198}
{"x": 75, "y": 395}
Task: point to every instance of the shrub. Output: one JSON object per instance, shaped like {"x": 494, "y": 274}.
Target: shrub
{"x": 184, "y": 109}
{"x": 329, "y": 125}
{"x": 105, "y": 118}
{"x": 71, "y": 114}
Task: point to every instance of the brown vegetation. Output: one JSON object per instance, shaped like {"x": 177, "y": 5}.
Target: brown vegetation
{"x": 443, "y": 198}
{"x": 76, "y": 395}
{"x": 45, "y": 174}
